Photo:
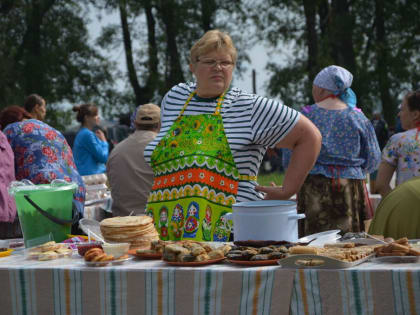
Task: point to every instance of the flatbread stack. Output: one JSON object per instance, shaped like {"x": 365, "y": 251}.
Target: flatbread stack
{"x": 139, "y": 231}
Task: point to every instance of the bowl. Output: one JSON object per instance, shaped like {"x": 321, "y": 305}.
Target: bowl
{"x": 82, "y": 248}
{"x": 319, "y": 239}
{"x": 116, "y": 249}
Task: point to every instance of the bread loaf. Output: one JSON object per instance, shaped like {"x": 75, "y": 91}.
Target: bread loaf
{"x": 303, "y": 250}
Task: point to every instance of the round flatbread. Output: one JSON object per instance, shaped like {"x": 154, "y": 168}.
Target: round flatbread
{"x": 127, "y": 221}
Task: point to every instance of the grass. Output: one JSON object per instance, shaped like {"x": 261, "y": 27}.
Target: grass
{"x": 266, "y": 179}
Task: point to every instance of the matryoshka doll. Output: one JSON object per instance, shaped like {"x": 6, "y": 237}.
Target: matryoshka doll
{"x": 149, "y": 212}
{"x": 177, "y": 223}
{"x": 206, "y": 226}
{"x": 222, "y": 229}
{"x": 163, "y": 223}
{"x": 192, "y": 220}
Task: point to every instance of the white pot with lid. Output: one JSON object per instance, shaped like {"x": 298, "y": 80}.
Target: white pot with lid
{"x": 265, "y": 220}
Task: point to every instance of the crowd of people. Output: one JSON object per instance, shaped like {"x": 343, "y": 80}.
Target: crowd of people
{"x": 189, "y": 159}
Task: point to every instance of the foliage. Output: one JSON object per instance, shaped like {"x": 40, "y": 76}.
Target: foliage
{"x": 376, "y": 40}
{"x": 45, "y": 48}
{"x": 267, "y": 179}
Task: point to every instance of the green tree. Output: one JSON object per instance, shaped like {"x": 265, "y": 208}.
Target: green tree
{"x": 157, "y": 35}
{"x": 376, "y": 40}
{"x": 44, "y": 49}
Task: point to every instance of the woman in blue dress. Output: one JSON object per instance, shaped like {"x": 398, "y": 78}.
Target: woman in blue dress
{"x": 333, "y": 194}
{"x": 90, "y": 148}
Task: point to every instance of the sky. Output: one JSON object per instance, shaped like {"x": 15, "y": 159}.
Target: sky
{"x": 258, "y": 57}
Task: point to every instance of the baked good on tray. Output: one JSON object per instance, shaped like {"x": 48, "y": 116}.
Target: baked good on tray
{"x": 400, "y": 247}
{"x": 249, "y": 253}
{"x": 191, "y": 251}
{"x": 345, "y": 253}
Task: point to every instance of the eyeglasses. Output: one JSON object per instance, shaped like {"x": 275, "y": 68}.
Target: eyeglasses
{"x": 211, "y": 63}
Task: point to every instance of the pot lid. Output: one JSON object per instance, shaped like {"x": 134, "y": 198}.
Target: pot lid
{"x": 264, "y": 203}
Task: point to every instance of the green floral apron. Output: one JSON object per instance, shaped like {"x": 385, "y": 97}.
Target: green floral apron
{"x": 196, "y": 179}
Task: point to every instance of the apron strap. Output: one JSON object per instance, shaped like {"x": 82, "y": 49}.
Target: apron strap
{"x": 218, "y": 107}
{"x": 247, "y": 177}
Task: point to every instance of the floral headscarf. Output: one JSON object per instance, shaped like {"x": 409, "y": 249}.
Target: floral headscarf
{"x": 337, "y": 80}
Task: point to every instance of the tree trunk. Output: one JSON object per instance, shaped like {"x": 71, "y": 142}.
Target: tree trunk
{"x": 311, "y": 37}
{"x": 30, "y": 51}
{"x": 208, "y": 9}
{"x": 341, "y": 30}
{"x": 382, "y": 64}
{"x": 152, "y": 83}
{"x": 324, "y": 16}
{"x": 132, "y": 75}
{"x": 174, "y": 74}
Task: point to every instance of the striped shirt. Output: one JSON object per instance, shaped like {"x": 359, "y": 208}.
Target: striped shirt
{"x": 252, "y": 124}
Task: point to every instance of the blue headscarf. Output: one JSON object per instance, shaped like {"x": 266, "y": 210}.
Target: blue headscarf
{"x": 337, "y": 80}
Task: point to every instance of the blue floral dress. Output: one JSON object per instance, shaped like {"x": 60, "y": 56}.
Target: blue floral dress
{"x": 333, "y": 194}
{"x": 42, "y": 154}
{"x": 403, "y": 152}
{"x": 349, "y": 145}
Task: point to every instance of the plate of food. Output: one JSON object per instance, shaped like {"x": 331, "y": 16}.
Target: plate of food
{"x": 399, "y": 251}
{"x": 104, "y": 263}
{"x": 49, "y": 251}
{"x": 194, "y": 263}
{"x": 191, "y": 253}
{"x": 269, "y": 262}
{"x": 4, "y": 252}
{"x": 395, "y": 259}
{"x": 145, "y": 254}
{"x": 256, "y": 256}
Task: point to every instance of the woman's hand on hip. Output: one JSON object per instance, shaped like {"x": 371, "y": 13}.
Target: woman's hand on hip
{"x": 274, "y": 192}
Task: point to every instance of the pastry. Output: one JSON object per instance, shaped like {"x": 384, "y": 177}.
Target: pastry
{"x": 49, "y": 255}
{"x": 304, "y": 250}
{"x": 92, "y": 253}
{"x": 216, "y": 254}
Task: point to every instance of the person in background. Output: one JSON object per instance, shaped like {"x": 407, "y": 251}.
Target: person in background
{"x": 41, "y": 153}
{"x": 36, "y": 106}
{"x": 402, "y": 152}
{"x": 333, "y": 195}
{"x": 130, "y": 177}
{"x": 90, "y": 148}
{"x": 398, "y": 214}
{"x": 213, "y": 138}
{"x": 382, "y": 135}
{"x": 9, "y": 221}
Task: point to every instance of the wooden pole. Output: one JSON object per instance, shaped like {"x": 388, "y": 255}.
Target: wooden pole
{"x": 254, "y": 80}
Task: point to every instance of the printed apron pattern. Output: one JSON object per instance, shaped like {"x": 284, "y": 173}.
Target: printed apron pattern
{"x": 196, "y": 179}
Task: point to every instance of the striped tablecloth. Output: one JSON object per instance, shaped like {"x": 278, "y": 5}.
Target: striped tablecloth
{"x": 67, "y": 286}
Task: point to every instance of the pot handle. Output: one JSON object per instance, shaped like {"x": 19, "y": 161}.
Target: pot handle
{"x": 296, "y": 216}
{"x": 228, "y": 216}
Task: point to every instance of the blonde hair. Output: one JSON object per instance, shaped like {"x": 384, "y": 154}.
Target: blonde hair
{"x": 210, "y": 41}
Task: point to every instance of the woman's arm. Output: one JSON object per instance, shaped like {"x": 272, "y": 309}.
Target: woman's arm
{"x": 97, "y": 148}
{"x": 369, "y": 148}
{"x": 382, "y": 183}
{"x": 305, "y": 142}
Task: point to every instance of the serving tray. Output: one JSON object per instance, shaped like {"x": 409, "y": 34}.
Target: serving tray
{"x": 252, "y": 263}
{"x": 114, "y": 262}
{"x": 396, "y": 259}
{"x": 149, "y": 256}
{"x": 319, "y": 262}
{"x": 194, "y": 263}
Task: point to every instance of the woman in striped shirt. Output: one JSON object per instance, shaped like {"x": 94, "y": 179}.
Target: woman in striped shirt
{"x": 211, "y": 144}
